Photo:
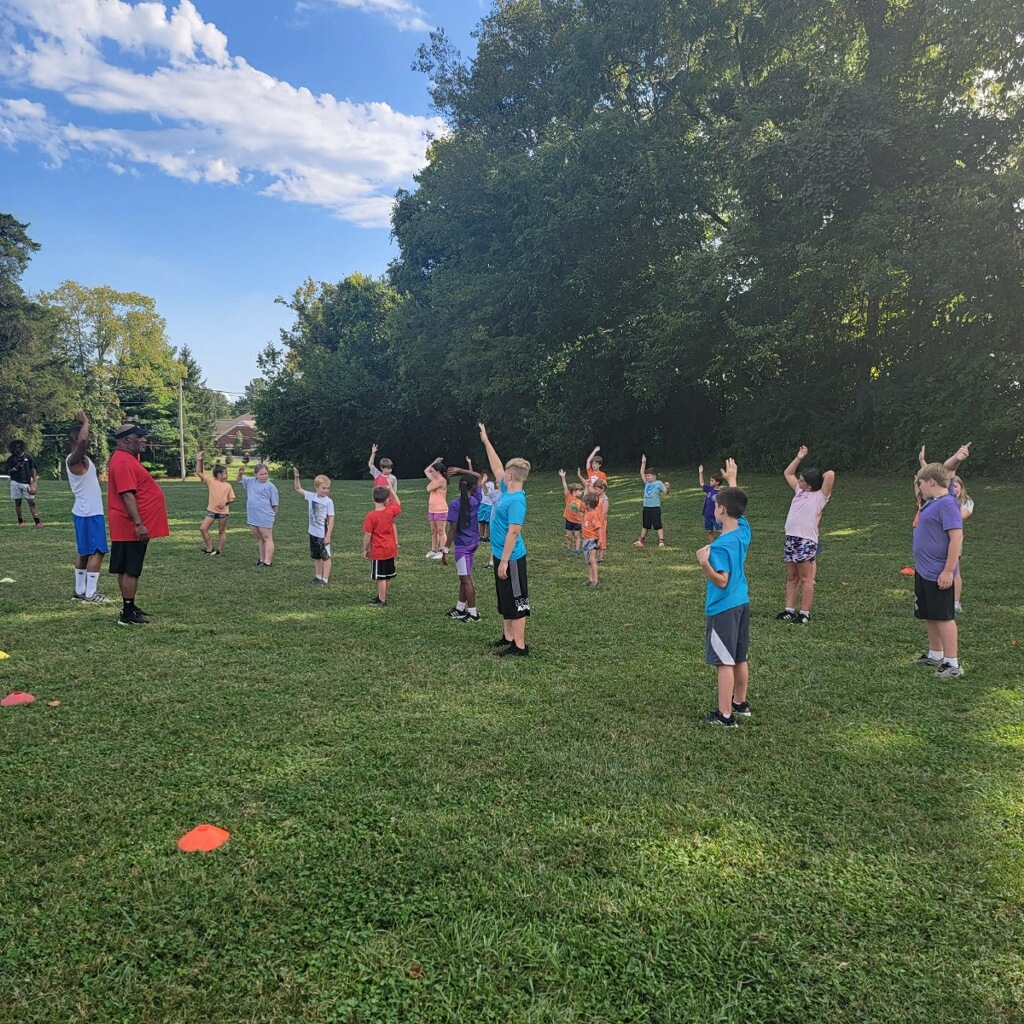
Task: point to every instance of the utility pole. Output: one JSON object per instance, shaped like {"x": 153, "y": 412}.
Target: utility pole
{"x": 181, "y": 423}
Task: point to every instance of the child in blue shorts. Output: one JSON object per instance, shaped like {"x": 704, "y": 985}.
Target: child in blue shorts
{"x": 710, "y": 489}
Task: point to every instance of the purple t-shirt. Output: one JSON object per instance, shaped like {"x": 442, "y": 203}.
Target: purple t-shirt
{"x": 931, "y": 536}
{"x": 469, "y": 538}
{"x": 709, "y": 501}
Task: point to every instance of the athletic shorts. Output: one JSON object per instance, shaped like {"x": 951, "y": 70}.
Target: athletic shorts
{"x": 464, "y": 561}
{"x": 90, "y": 535}
{"x": 483, "y": 514}
{"x": 572, "y": 527}
{"x": 589, "y": 544}
{"x": 382, "y": 569}
{"x": 727, "y": 636}
{"x": 513, "y": 600}
{"x": 437, "y": 517}
{"x": 930, "y": 602}
{"x": 652, "y": 517}
{"x": 318, "y": 549}
{"x": 711, "y": 523}
{"x": 20, "y": 491}
{"x": 127, "y": 556}
{"x": 216, "y": 515}
{"x": 799, "y": 549}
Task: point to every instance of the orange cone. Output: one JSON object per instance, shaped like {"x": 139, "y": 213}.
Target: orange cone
{"x": 17, "y": 697}
{"x": 907, "y": 570}
{"x": 202, "y": 839}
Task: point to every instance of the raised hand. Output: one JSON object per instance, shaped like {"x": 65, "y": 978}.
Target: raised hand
{"x": 802, "y": 453}
{"x": 561, "y": 473}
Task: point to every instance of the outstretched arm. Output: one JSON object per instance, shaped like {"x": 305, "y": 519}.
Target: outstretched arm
{"x": 731, "y": 472}
{"x": 583, "y": 479}
{"x": 295, "y": 477}
{"x": 77, "y": 455}
{"x": 199, "y": 465}
{"x": 828, "y": 481}
{"x": 643, "y": 469}
{"x": 590, "y": 457}
{"x": 497, "y": 466}
{"x": 371, "y": 462}
{"x": 953, "y": 462}
{"x": 790, "y": 471}
{"x": 565, "y": 486}
{"x": 921, "y": 460}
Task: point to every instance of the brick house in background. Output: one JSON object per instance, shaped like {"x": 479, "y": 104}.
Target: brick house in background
{"x": 226, "y": 433}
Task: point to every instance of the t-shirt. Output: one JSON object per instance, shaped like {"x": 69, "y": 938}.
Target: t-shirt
{"x": 86, "y": 489}
{"x": 729, "y": 554}
{"x": 595, "y": 474}
{"x": 380, "y": 525}
{"x": 467, "y": 539}
{"x": 573, "y": 509}
{"x": 804, "y": 513}
{"x": 653, "y": 490}
{"x": 20, "y": 468}
{"x": 509, "y": 510}
{"x": 967, "y": 506}
{"x": 261, "y": 498}
{"x": 488, "y": 489}
{"x": 931, "y": 535}
{"x": 710, "y": 492}
{"x": 220, "y": 494}
{"x": 591, "y": 524}
{"x": 437, "y": 500}
{"x": 389, "y": 478}
{"x": 319, "y": 511}
{"x": 125, "y": 473}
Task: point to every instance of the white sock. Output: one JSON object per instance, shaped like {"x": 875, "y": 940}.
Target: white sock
{"x": 320, "y": 577}
{"x": 952, "y": 661}
{"x": 472, "y": 611}
{"x": 803, "y": 611}
{"x": 790, "y": 610}
{"x": 91, "y": 580}
{"x": 79, "y": 581}
{"x": 935, "y": 655}
{"x": 460, "y": 606}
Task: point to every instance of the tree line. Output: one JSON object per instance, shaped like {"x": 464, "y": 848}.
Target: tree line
{"x": 689, "y": 228}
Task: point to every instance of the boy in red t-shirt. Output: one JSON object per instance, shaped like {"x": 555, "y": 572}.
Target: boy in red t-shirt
{"x": 379, "y": 544}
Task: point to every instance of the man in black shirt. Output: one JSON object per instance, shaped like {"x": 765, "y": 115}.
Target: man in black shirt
{"x": 21, "y": 468}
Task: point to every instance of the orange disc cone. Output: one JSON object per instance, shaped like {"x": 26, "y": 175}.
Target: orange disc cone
{"x": 18, "y": 697}
{"x": 203, "y": 838}
{"x": 907, "y": 570}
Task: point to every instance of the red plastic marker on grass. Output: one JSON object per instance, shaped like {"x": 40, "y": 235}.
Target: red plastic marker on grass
{"x": 907, "y": 570}
{"x": 17, "y": 697}
{"x": 202, "y": 839}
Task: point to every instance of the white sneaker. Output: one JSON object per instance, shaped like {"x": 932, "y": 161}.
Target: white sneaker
{"x": 97, "y": 598}
{"x": 948, "y": 671}
{"x": 430, "y": 554}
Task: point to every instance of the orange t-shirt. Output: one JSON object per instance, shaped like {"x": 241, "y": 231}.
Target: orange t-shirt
{"x": 596, "y": 474}
{"x": 573, "y": 508}
{"x": 591, "y": 524}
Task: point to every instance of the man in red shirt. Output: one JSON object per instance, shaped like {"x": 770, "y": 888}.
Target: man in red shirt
{"x": 136, "y": 511}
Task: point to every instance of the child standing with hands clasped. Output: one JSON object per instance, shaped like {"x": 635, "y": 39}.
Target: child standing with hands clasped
{"x": 321, "y": 525}
{"x": 437, "y": 505}
{"x": 653, "y": 490}
{"x": 727, "y": 603}
{"x": 573, "y": 514}
{"x": 811, "y": 492}
{"x": 379, "y": 544}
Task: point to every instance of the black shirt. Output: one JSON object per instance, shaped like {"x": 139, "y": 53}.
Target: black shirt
{"x": 20, "y": 468}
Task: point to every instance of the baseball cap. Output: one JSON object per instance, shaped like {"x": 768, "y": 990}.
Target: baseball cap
{"x": 127, "y": 429}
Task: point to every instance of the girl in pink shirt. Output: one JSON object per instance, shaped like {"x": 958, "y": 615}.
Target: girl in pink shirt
{"x": 437, "y": 505}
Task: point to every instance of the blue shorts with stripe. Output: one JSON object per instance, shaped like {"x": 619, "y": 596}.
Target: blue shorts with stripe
{"x": 90, "y": 535}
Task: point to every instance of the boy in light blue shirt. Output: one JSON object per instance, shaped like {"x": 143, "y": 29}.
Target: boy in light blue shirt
{"x": 653, "y": 490}
{"x": 727, "y": 603}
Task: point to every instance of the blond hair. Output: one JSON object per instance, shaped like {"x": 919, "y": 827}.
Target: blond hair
{"x": 518, "y": 469}
{"x": 934, "y": 471}
{"x": 964, "y": 496}
{"x": 321, "y": 479}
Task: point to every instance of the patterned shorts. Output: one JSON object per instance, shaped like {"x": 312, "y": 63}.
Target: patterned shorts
{"x": 799, "y": 549}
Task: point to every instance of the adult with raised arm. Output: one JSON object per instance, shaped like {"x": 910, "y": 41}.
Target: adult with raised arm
{"x": 136, "y": 512}
{"x": 508, "y": 514}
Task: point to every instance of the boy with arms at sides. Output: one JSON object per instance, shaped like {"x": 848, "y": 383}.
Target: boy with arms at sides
{"x": 86, "y": 513}
{"x": 653, "y": 490}
{"x": 379, "y": 544}
{"x": 321, "y": 524}
{"x": 938, "y": 542}
{"x": 22, "y": 470}
{"x": 727, "y": 603}
{"x": 710, "y": 489}
{"x": 508, "y": 514}
{"x": 384, "y": 477}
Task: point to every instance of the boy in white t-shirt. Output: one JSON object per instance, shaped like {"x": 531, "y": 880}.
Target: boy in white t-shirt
{"x": 321, "y": 524}
{"x": 811, "y": 491}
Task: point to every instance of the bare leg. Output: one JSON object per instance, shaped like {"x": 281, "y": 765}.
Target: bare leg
{"x": 128, "y": 586}
{"x": 934, "y": 636}
{"x": 223, "y": 534}
{"x": 17, "y": 509}
{"x": 204, "y": 530}
{"x": 742, "y": 677}
{"x": 792, "y": 583}
{"x": 517, "y": 628}
{"x": 806, "y": 572}
{"x": 382, "y": 590}
{"x": 948, "y": 637}
{"x": 726, "y": 687}
{"x": 323, "y": 568}
{"x": 93, "y": 563}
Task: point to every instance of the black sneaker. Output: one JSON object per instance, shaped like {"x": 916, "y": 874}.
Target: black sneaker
{"x": 786, "y": 616}
{"x": 132, "y": 618}
{"x": 205, "y": 552}
{"x": 259, "y": 562}
{"x": 455, "y": 613}
{"x": 802, "y": 618}
{"x": 78, "y": 597}
{"x": 466, "y": 617}
{"x": 717, "y": 718}
{"x": 511, "y": 651}
{"x": 742, "y": 709}
{"x": 501, "y": 643}
{"x": 377, "y": 602}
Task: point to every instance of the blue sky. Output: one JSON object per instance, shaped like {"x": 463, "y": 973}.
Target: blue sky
{"x": 213, "y": 154}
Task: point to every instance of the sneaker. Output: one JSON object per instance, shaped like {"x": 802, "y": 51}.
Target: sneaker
{"x": 466, "y": 617}
{"x": 78, "y": 597}
{"x": 216, "y": 554}
{"x": 743, "y": 709}
{"x": 786, "y": 616}
{"x": 377, "y": 602}
{"x": 320, "y": 583}
{"x": 259, "y": 562}
{"x": 490, "y": 564}
{"x": 511, "y": 651}
{"x": 717, "y": 718}
{"x": 205, "y": 552}
{"x": 100, "y": 599}
{"x": 132, "y": 618}
{"x": 638, "y": 543}
{"x": 38, "y": 524}
{"x": 661, "y": 544}
{"x": 501, "y": 643}
{"x": 925, "y": 662}
{"x": 589, "y": 583}
{"x": 948, "y": 671}
{"x": 456, "y": 613}
{"x": 801, "y": 619}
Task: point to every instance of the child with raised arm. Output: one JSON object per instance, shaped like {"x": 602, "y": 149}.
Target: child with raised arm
{"x": 321, "y": 524}
{"x": 710, "y": 489}
{"x": 261, "y": 502}
{"x": 217, "y": 505}
{"x": 462, "y": 534}
{"x": 594, "y": 471}
{"x": 651, "y": 516}
{"x": 966, "y": 503}
{"x": 86, "y": 512}
{"x": 938, "y": 542}
{"x": 387, "y": 471}
{"x": 591, "y": 534}
{"x": 600, "y": 488}
{"x": 379, "y": 544}
{"x": 727, "y": 603}
{"x": 508, "y": 515}
{"x": 437, "y": 505}
{"x": 573, "y": 515}
{"x": 811, "y": 492}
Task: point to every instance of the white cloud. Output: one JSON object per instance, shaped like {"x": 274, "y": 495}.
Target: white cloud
{"x": 405, "y": 16}
{"x": 211, "y": 117}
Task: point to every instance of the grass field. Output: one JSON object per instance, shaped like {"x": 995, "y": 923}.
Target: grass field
{"x": 422, "y": 833}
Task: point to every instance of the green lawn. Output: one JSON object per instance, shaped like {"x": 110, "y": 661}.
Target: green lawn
{"x": 421, "y": 833}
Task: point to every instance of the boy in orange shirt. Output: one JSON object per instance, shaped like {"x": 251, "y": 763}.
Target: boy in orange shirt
{"x": 601, "y": 490}
{"x": 573, "y": 515}
{"x": 591, "y": 532}
{"x": 594, "y": 473}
